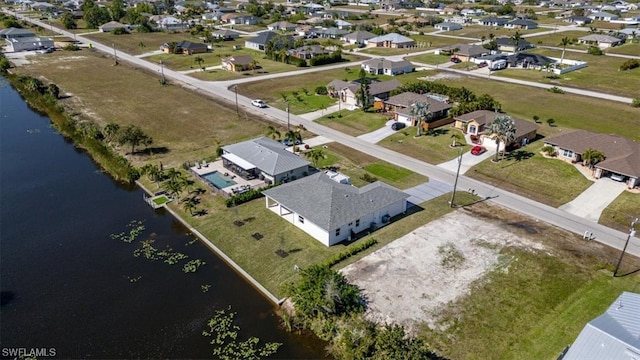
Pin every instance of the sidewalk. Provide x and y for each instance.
(322, 112)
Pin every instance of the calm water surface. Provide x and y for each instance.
(66, 284)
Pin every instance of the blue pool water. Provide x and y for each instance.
(218, 180)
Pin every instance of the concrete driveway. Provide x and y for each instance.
(375, 136)
(595, 199)
(427, 191)
(468, 161)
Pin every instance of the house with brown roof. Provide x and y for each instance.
(622, 155)
(238, 63)
(308, 51)
(400, 106)
(184, 47)
(346, 91)
(476, 123)
(465, 52)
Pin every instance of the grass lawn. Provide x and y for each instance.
(354, 123)
(433, 149)
(183, 127)
(568, 110)
(555, 39)
(259, 258)
(626, 49)
(432, 41)
(130, 43)
(478, 31)
(601, 74)
(549, 181)
(621, 211)
(431, 59)
(356, 164)
(535, 302)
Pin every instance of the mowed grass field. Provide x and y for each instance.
(555, 39)
(602, 74)
(131, 43)
(185, 123)
(433, 148)
(621, 212)
(535, 302)
(354, 122)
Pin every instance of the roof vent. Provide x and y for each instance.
(619, 305)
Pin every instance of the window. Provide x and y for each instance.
(351, 223)
(301, 219)
(567, 153)
(357, 222)
(338, 232)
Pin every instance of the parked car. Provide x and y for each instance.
(483, 64)
(455, 60)
(289, 142)
(477, 150)
(617, 177)
(258, 103)
(397, 126)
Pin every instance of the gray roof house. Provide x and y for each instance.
(264, 158)
(602, 41)
(346, 91)
(521, 24)
(12, 33)
(391, 40)
(602, 16)
(612, 335)
(332, 212)
(259, 42)
(381, 66)
(17, 44)
(225, 34)
(112, 25)
(358, 37)
(492, 21)
(448, 26)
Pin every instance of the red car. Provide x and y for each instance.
(477, 150)
(455, 60)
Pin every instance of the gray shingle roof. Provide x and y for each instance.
(360, 36)
(381, 63)
(392, 37)
(407, 99)
(15, 32)
(329, 204)
(267, 155)
(612, 335)
(600, 38)
(263, 37)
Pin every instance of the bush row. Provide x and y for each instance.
(334, 57)
(247, 196)
(349, 253)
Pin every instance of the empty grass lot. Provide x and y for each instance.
(355, 164)
(601, 74)
(555, 39)
(478, 31)
(433, 149)
(549, 181)
(354, 123)
(626, 49)
(130, 43)
(431, 59)
(568, 110)
(622, 211)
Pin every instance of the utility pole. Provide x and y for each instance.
(235, 88)
(455, 183)
(115, 53)
(632, 232)
(287, 116)
(162, 72)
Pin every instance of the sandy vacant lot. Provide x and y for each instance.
(412, 277)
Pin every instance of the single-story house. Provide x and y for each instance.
(225, 34)
(330, 33)
(507, 45)
(466, 52)
(264, 158)
(602, 16)
(281, 25)
(237, 63)
(529, 61)
(578, 20)
(401, 104)
(391, 40)
(308, 51)
(381, 66)
(602, 41)
(28, 43)
(472, 12)
(346, 91)
(358, 37)
(332, 212)
(14, 33)
(245, 20)
(448, 26)
(168, 22)
(622, 155)
(260, 41)
(492, 21)
(613, 335)
(184, 47)
(112, 25)
(475, 123)
(522, 24)
(343, 25)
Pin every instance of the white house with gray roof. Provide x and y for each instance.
(612, 335)
(264, 158)
(332, 212)
(382, 66)
(391, 40)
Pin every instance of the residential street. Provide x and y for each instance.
(515, 202)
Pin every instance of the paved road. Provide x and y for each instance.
(515, 202)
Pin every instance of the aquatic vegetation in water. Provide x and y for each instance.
(136, 228)
(192, 266)
(205, 287)
(133, 279)
(191, 242)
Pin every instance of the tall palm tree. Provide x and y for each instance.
(142, 45)
(504, 130)
(189, 205)
(515, 40)
(456, 137)
(273, 132)
(292, 136)
(591, 157)
(314, 155)
(564, 42)
(199, 60)
(420, 111)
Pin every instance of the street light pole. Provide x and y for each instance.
(162, 72)
(235, 88)
(287, 116)
(115, 53)
(455, 183)
(632, 232)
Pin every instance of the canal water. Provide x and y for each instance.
(66, 284)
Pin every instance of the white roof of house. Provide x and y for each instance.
(265, 154)
(393, 37)
(612, 335)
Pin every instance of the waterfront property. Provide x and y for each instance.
(222, 181)
(332, 212)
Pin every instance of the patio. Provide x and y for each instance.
(207, 168)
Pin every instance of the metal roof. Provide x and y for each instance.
(613, 335)
(267, 155)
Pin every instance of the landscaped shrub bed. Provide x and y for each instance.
(247, 196)
(347, 254)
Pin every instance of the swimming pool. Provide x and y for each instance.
(218, 180)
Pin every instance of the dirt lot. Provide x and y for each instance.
(408, 280)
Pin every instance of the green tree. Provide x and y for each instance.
(68, 22)
(455, 138)
(504, 130)
(515, 40)
(134, 136)
(53, 90)
(420, 112)
(117, 10)
(293, 136)
(314, 155)
(110, 131)
(363, 94)
(189, 205)
(199, 60)
(564, 42)
(273, 133)
(590, 157)
(174, 187)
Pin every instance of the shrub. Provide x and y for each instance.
(247, 196)
(346, 254)
(321, 90)
(549, 150)
(635, 103)
(630, 64)
(368, 178)
(71, 47)
(334, 57)
(594, 50)
(119, 31)
(556, 90)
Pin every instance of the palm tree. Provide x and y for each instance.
(591, 157)
(483, 39)
(564, 42)
(293, 136)
(189, 205)
(110, 131)
(314, 155)
(273, 132)
(142, 45)
(455, 138)
(199, 60)
(174, 188)
(504, 130)
(515, 39)
(420, 112)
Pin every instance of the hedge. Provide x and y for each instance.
(247, 196)
(349, 253)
